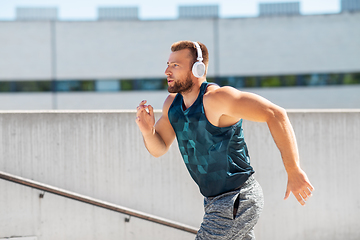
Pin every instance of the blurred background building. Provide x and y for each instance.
(297, 61)
(118, 59)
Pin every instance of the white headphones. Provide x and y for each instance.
(198, 68)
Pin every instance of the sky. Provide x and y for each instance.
(159, 9)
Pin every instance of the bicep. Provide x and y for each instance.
(163, 126)
(165, 130)
(251, 107)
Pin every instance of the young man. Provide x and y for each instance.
(206, 120)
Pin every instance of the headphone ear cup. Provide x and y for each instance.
(198, 69)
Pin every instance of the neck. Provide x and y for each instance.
(190, 96)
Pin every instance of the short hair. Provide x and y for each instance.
(177, 46)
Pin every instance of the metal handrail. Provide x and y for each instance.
(95, 202)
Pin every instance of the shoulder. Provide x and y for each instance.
(220, 104)
(168, 101)
(216, 94)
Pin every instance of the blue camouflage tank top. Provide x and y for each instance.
(216, 157)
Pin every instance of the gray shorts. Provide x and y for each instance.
(224, 220)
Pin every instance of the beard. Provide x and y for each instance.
(181, 86)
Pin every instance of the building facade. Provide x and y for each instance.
(116, 54)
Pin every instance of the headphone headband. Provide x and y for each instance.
(199, 52)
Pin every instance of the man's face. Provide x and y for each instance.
(178, 72)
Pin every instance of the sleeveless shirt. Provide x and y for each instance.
(216, 157)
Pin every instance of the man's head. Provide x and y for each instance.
(192, 51)
(179, 70)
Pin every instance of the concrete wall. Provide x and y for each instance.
(96, 154)
(330, 97)
(140, 49)
(101, 154)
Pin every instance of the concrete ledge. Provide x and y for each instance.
(101, 154)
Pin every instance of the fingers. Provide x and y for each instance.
(144, 114)
(300, 186)
(145, 109)
(141, 108)
(300, 199)
(308, 191)
(287, 193)
(151, 110)
(142, 102)
(310, 187)
(304, 197)
(141, 105)
(302, 194)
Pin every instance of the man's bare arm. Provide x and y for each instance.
(157, 137)
(237, 105)
(284, 137)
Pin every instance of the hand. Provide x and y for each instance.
(299, 185)
(145, 118)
